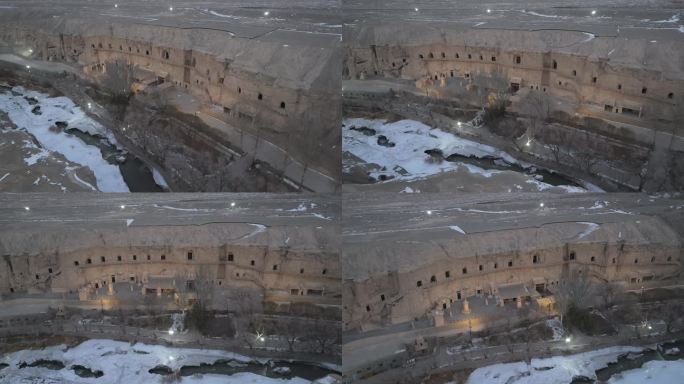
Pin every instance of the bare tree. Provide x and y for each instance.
(608, 291)
(324, 334)
(574, 289)
(118, 79)
(492, 91)
(671, 314)
(535, 105)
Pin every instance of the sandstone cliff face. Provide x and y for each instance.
(281, 86)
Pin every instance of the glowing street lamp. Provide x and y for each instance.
(416, 9)
(28, 67)
(459, 123)
(266, 13)
(90, 105)
(489, 10)
(171, 9)
(568, 339)
(593, 12)
(232, 204)
(541, 205)
(116, 5)
(27, 209)
(429, 212)
(123, 207)
(171, 332)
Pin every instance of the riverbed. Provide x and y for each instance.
(58, 125)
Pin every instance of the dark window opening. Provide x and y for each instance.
(382, 297)
(457, 56)
(480, 267)
(433, 279)
(149, 257)
(147, 52)
(367, 308)
(220, 80)
(163, 257)
(574, 73)
(594, 79)
(301, 270)
(76, 263)
(89, 261)
(629, 111)
(120, 48)
(118, 258)
(613, 261)
(231, 257)
(102, 259)
(608, 108)
(493, 58)
(496, 265)
(189, 255)
(252, 262)
(572, 255)
(619, 86)
(282, 105)
(670, 95)
(669, 258)
(481, 58)
(518, 59)
(470, 56)
(420, 56)
(451, 73)
(239, 90)
(49, 270)
(510, 263)
(555, 64)
(535, 259)
(643, 90)
(275, 267)
(652, 259)
(135, 257)
(443, 55)
(593, 259)
(37, 277)
(465, 271)
(447, 274)
(636, 261)
(419, 283)
(325, 271)
(166, 55)
(431, 55)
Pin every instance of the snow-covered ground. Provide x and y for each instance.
(561, 369)
(53, 109)
(124, 363)
(653, 372)
(407, 161)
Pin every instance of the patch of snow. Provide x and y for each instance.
(681, 28)
(321, 216)
(300, 208)
(552, 370)
(591, 227)
(590, 37)
(4, 176)
(259, 228)
(655, 372)
(599, 205)
(180, 209)
(457, 229)
(159, 179)
(543, 15)
(18, 109)
(85, 183)
(409, 190)
(480, 23)
(673, 19)
(122, 362)
(557, 328)
(129, 222)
